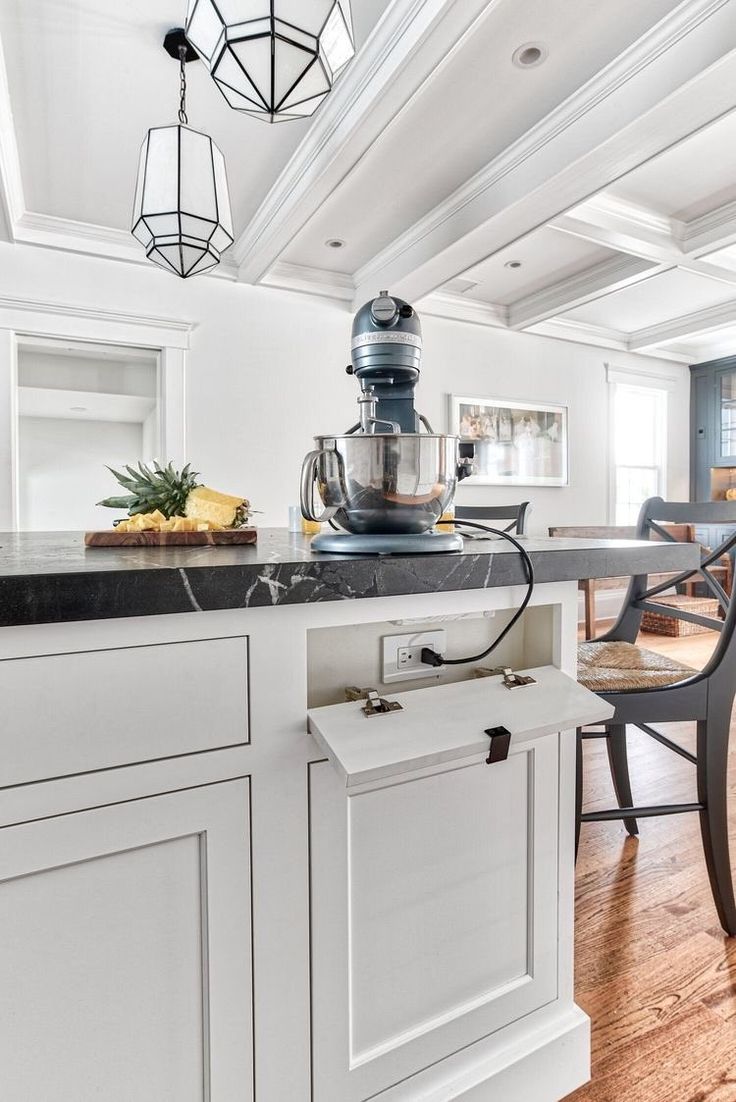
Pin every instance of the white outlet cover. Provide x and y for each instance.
(392, 644)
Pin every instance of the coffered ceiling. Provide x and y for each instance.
(590, 197)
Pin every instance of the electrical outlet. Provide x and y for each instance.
(402, 655)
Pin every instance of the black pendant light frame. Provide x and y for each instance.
(159, 243)
(263, 108)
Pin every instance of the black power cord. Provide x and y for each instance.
(430, 657)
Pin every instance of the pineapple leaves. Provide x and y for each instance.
(153, 487)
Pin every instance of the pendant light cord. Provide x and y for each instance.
(183, 86)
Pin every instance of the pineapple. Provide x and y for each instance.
(174, 493)
(209, 505)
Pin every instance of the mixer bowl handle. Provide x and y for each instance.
(309, 474)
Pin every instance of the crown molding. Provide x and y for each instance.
(565, 329)
(310, 281)
(700, 321)
(586, 286)
(645, 78)
(50, 232)
(710, 232)
(457, 307)
(400, 56)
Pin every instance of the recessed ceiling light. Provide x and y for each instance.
(512, 264)
(334, 243)
(529, 55)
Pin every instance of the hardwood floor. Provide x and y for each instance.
(653, 968)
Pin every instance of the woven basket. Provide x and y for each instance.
(661, 624)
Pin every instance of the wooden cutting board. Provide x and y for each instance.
(110, 537)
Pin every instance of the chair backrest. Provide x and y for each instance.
(665, 520)
(515, 514)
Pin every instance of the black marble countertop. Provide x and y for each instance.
(50, 577)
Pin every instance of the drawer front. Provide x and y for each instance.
(74, 713)
(434, 914)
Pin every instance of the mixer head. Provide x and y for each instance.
(386, 356)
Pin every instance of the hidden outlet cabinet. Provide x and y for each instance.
(221, 882)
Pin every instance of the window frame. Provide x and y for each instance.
(630, 381)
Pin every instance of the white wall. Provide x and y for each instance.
(62, 470)
(266, 372)
(472, 360)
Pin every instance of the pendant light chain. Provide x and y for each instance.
(183, 86)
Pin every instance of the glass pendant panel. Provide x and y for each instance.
(182, 206)
(265, 47)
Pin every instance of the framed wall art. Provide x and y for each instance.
(516, 443)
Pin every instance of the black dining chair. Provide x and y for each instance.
(647, 688)
(515, 515)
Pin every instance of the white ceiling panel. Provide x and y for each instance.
(86, 82)
(652, 301)
(546, 257)
(474, 108)
(690, 179)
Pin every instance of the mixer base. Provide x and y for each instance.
(346, 543)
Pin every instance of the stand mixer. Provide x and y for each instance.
(385, 482)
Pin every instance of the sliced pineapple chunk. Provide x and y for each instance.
(204, 504)
(157, 522)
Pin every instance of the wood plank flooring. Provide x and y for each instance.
(653, 968)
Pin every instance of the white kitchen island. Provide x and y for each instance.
(202, 902)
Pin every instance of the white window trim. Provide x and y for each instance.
(664, 382)
(22, 320)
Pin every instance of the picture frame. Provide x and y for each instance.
(518, 443)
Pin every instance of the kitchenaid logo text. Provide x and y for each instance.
(386, 338)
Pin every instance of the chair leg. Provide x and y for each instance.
(619, 764)
(712, 791)
(589, 591)
(578, 787)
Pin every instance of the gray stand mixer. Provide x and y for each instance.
(385, 482)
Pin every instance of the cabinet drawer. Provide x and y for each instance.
(74, 713)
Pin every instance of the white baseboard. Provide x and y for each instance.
(542, 1058)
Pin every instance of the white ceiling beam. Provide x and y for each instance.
(629, 228)
(602, 279)
(412, 42)
(688, 325)
(676, 79)
(623, 226)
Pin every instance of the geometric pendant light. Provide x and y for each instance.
(181, 211)
(273, 59)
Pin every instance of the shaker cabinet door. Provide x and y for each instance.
(434, 913)
(125, 970)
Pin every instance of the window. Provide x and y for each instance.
(639, 448)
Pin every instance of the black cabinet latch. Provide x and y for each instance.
(500, 741)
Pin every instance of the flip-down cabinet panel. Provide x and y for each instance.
(434, 875)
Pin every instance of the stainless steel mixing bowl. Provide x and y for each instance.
(383, 483)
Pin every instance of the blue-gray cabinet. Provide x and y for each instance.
(713, 428)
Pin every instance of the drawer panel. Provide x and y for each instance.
(73, 713)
